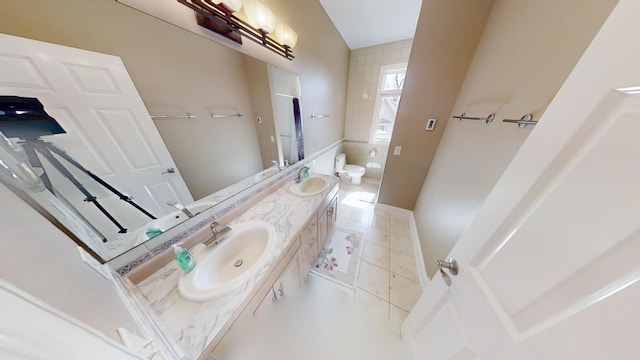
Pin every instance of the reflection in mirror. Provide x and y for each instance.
(134, 155)
(285, 93)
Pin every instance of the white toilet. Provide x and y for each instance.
(348, 171)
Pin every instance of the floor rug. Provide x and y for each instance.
(340, 258)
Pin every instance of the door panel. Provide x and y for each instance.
(109, 130)
(21, 72)
(92, 79)
(127, 137)
(549, 266)
(569, 214)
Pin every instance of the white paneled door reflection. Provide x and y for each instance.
(108, 131)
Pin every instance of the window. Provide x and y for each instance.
(391, 83)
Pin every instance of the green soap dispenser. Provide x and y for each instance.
(184, 258)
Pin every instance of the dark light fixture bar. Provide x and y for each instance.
(221, 20)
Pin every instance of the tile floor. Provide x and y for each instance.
(325, 320)
(318, 321)
(387, 281)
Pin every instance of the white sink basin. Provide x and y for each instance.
(236, 259)
(310, 186)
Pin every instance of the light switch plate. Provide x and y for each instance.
(397, 150)
(431, 124)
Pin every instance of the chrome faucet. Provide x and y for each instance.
(302, 173)
(277, 164)
(180, 207)
(218, 235)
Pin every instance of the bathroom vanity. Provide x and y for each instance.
(302, 224)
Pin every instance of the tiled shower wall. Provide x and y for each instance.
(364, 74)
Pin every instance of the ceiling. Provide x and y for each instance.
(365, 23)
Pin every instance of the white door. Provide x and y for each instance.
(549, 268)
(109, 130)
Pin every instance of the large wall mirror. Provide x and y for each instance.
(156, 167)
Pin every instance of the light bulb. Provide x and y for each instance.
(286, 35)
(260, 17)
(232, 5)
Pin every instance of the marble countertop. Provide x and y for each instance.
(195, 324)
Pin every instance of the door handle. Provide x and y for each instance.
(169, 171)
(450, 264)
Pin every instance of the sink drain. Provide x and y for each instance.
(238, 263)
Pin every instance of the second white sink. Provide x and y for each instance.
(310, 186)
(223, 267)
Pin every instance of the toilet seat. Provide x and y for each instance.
(349, 171)
(354, 169)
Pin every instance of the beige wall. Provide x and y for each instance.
(177, 72)
(446, 37)
(526, 52)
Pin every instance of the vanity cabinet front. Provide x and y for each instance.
(288, 281)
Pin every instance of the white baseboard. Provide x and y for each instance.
(422, 270)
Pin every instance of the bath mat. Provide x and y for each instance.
(339, 260)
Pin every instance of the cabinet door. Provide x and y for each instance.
(323, 228)
(288, 281)
(267, 301)
(332, 215)
(290, 278)
(309, 246)
(326, 220)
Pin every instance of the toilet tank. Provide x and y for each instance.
(341, 160)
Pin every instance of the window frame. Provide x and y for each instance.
(381, 93)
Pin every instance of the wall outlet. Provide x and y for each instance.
(431, 123)
(273, 139)
(397, 150)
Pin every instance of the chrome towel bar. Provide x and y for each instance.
(487, 119)
(220, 116)
(523, 122)
(160, 117)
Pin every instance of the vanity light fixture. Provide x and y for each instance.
(219, 17)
